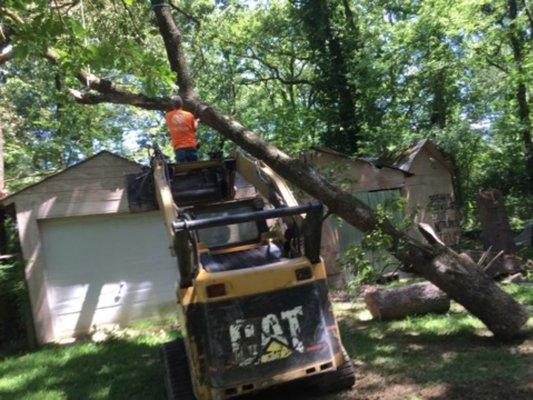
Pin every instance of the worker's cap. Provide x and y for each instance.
(177, 102)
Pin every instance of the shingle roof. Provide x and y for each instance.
(103, 152)
(404, 158)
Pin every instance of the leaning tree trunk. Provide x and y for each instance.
(400, 302)
(461, 280)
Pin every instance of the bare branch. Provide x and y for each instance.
(275, 78)
(12, 15)
(132, 99)
(496, 65)
(172, 38)
(3, 36)
(68, 6)
(137, 29)
(6, 53)
(186, 14)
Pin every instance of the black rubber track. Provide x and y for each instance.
(341, 379)
(178, 379)
(177, 375)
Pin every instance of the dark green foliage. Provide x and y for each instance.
(364, 77)
(330, 50)
(13, 304)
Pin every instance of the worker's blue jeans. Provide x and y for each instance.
(186, 154)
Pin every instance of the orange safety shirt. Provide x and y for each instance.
(182, 127)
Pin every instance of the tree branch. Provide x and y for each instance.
(68, 6)
(12, 15)
(275, 78)
(132, 99)
(176, 56)
(186, 14)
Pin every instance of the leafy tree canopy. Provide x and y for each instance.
(364, 77)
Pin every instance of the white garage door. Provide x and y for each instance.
(107, 270)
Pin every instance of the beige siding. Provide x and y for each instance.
(90, 188)
(430, 194)
(107, 270)
(358, 175)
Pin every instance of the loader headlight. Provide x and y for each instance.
(216, 290)
(303, 274)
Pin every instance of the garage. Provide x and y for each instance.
(90, 263)
(107, 270)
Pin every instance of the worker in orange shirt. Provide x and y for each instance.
(182, 128)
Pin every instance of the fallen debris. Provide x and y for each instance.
(495, 229)
(516, 278)
(415, 299)
(504, 266)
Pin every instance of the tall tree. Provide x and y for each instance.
(344, 122)
(461, 279)
(520, 36)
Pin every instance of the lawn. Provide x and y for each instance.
(431, 357)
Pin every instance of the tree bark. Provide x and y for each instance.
(317, 19)
(416, 299)
(439, 105)
(495, 228)
(517, 45)
(461, 280)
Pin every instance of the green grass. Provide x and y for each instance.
(124, 367)
(453, 350)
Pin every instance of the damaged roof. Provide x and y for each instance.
(368, 160)
(403, 159)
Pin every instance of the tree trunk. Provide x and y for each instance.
(2, 170)
(416, 299)
(461, 280)
(317, 15)
(495, 228)
(439, 103)
(517, 41)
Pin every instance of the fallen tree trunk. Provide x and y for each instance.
(460, 279)
(415, 299)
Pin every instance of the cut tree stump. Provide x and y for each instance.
(415, 299)
(495, 228)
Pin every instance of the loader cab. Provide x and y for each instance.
(252, 297)
(236, 246)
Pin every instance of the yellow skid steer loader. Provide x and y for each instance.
(252, 294)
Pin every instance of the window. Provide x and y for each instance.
(226, 235)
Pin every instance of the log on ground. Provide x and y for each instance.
(415, 299)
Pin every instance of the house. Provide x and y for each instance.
(420, 174)
(374, 185)
(90, 263)
(428, 187)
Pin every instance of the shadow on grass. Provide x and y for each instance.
(465, 364)
(115, 369)
(444, 351)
